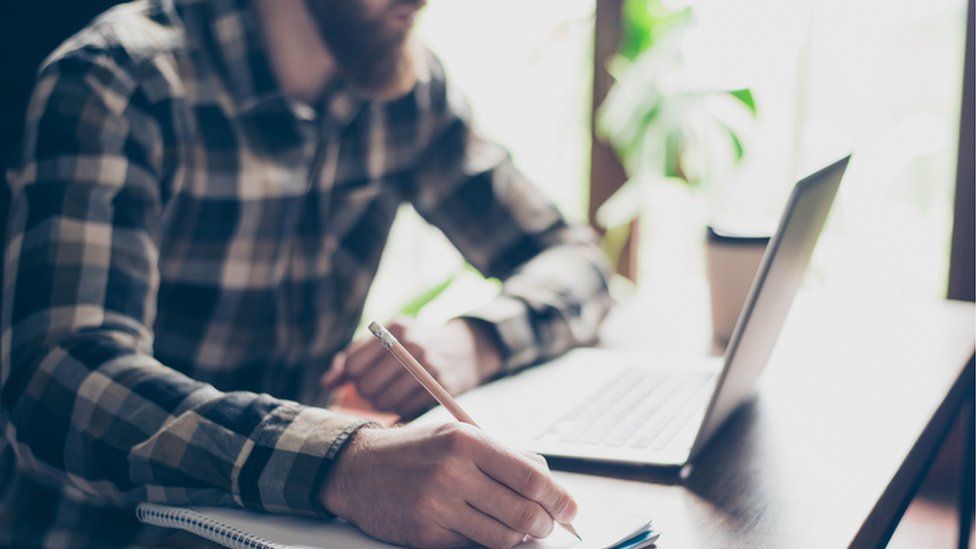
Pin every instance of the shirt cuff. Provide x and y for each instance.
(291, 454)
(508, 321)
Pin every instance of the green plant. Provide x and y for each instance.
(661, 122)
(413, 306)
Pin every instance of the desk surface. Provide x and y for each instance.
(856, 399)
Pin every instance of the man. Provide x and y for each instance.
(203, 196)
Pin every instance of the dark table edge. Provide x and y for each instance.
(890, 507)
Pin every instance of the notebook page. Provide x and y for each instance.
(604, 528)
(600, 527)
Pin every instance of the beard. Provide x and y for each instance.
(375, 57)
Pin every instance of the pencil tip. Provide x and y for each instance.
(569, 528)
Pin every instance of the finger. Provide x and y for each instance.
(399, 327)
(363, 356)
(398, 391)
(482, 529)
(419, 401)
(524, 477)
(357, 345)
(336, 374)
(360, 360)
(375, 381)
(501, 503)
(536, 458)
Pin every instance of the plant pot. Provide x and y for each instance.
(731, 261)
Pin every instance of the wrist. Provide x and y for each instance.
(486, 348)
(336, 490)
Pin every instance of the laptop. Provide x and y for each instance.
(618, 407)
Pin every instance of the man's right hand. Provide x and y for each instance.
(443, 486)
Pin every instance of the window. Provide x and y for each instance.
(881, 79)
(885, 79)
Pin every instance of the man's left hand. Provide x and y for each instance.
(459, 354)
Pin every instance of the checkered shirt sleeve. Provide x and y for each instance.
(554, 274)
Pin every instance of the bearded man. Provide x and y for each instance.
(204, 191)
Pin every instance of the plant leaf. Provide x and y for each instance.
(645, 22)
(738, 148)
(615, 241)
(672, 150)
(621, 207)
(744, 96)
(740, 152)
(413, 307)
(636, 29)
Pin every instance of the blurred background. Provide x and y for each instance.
(879, 78)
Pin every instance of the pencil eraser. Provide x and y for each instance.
(382, 334)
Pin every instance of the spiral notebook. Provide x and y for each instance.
(242, 529)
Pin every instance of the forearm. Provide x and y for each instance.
(553, 302)
(555, 276)
(119, 426)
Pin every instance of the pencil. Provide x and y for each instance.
(435, 389)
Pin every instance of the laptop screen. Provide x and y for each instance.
(777, 280)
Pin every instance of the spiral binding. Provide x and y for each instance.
(201, 525)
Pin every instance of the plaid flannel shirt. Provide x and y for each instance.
(185, 242)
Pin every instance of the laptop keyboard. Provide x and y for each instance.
(640, 408)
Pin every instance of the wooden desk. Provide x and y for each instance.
(856, 400)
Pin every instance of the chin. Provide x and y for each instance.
(407, 71)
